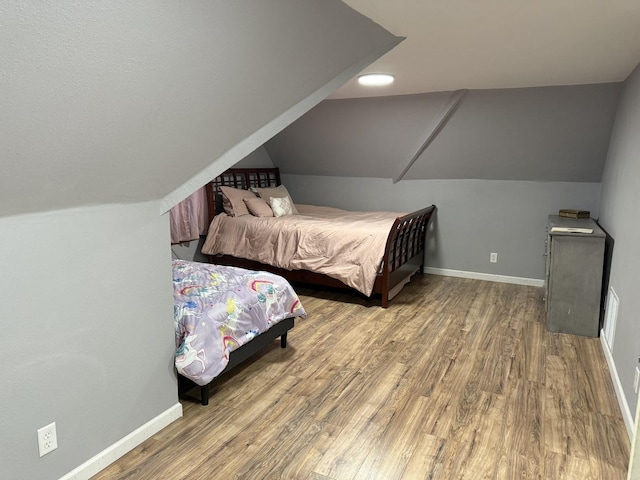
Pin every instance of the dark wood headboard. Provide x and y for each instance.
(243, 178)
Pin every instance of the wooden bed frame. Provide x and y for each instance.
(239, 355)
(404, 251)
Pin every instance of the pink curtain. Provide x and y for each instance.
(188, 219)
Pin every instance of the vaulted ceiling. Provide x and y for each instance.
(535, 134)
(119, 102)
(537, 83)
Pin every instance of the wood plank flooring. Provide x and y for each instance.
(458, 379)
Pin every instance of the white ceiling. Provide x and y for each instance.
(455, 44)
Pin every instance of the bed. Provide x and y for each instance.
(223, 315)
(392, 245)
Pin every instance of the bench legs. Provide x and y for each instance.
(204, 395)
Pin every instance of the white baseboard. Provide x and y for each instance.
(617, 385)
(114, 452)
(532, 282)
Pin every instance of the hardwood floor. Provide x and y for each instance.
(458, 379)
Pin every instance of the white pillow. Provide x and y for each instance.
(281, 206)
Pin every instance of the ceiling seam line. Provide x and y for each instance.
(434, 129)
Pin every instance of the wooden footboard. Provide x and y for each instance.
(404, 251)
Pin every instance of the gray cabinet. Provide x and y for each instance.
(573, 279)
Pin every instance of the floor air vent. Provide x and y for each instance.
(610, 318)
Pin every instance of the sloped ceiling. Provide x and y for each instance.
(458, 44)
(543, 80)
(538, 134)
(116, 102)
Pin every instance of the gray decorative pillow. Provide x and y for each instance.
(281, 206)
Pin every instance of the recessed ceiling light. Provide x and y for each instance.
(375, 79)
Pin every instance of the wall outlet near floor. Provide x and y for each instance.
(635, 380)
(493, 257)
(47, 439)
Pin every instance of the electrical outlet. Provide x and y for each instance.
(47, 439)
(493, 258)
(635, 380)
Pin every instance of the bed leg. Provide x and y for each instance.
(421, 270)
(385, 300)
(204, 395)
(283, 340)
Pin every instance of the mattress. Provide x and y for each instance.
(219, 308)
(341, 244)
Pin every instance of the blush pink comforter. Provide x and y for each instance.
(344, 245)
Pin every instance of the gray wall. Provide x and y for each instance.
(619, 216)
(256, 159)
(110, 103)
(505, 160)
(474, 217)
(542, 134)
(162, 90)
(87, 332)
